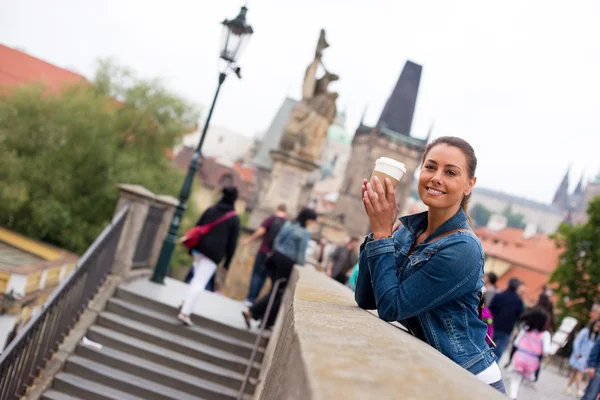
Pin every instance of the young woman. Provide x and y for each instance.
(288, 250)
(428, 273)
(581, 351)
(216, 245)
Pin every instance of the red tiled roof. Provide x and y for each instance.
(211, 173)
(17, 68)
(538, 252)
(245, 172)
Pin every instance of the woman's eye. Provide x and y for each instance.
(429, 167)
(451, 173)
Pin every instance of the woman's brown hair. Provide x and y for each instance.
(469, 153)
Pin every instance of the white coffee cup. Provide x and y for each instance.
(388, 168)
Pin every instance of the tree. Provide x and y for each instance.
(61, 154)
(578, 273)
(514, 220)
(480, 215)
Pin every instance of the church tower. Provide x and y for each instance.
(389, 138)
(561, 197)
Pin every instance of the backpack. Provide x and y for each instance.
(273, 230)
(193, 236)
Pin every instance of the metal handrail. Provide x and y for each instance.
(259, 336)
(24, 358)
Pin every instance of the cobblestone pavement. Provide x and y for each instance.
(549, 387)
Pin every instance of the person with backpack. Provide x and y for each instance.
(289, 249)
(268, 230)
(213, 239)
(532, 343)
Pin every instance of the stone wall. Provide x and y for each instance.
(324, 347)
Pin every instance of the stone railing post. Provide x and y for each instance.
(138, 198)
(169, 203)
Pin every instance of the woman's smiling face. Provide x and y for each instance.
(444, 179)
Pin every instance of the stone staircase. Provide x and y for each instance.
(147, 354)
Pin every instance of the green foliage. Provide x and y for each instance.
(61, 154)
(480, 215)
(514, 220)
(578, 274)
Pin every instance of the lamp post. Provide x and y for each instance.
(236, 33)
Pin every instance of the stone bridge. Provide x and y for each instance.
(110, 333)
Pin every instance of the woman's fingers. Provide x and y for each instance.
(378, 188)
(373, 197)
(367, 203)
(390, 195)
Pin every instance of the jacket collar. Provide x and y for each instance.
(417, 223)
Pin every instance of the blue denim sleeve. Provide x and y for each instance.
(450, 273)
(363, 293)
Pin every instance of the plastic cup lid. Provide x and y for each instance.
(391, 162)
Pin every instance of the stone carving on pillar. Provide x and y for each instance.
(307, 128)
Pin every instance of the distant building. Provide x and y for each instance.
(531, 257)
(391, 137)
(262, 160)
(546, 217)
(221, 143)
(215, 175)
(326, 182)
(19, 68)
(29, 272)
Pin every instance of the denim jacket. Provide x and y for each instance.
(433, 291)
(292, 241)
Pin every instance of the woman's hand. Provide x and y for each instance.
(381, 208)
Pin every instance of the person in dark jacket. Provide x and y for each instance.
(593, 364)
(216, 245)
(506, 308)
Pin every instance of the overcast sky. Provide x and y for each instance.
(517, 79)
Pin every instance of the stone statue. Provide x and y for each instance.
(311, 117)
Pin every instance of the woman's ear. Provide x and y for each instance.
(470, 185)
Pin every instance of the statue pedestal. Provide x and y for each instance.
(288, 178)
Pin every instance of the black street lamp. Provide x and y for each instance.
(236, 33)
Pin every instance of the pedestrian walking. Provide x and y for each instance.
(289, 249)
(582, 346)
(489, 288)
(342, 260)
(506, 308)
(212, 247)
(428, 274)
(593, 364)
(268, 230)
(532, 343)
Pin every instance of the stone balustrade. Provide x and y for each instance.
(324, 347)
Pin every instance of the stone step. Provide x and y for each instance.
(54, 395)
(185, 363)
(88, 390)
(199, 320)
(173, 342)
(227, 383)
(128, 383)
(170, 323)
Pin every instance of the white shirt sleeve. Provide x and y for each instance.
(518, 338)
(546, 343)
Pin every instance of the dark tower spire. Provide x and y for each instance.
(399, 109)
(561, 197)
(579, 189)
